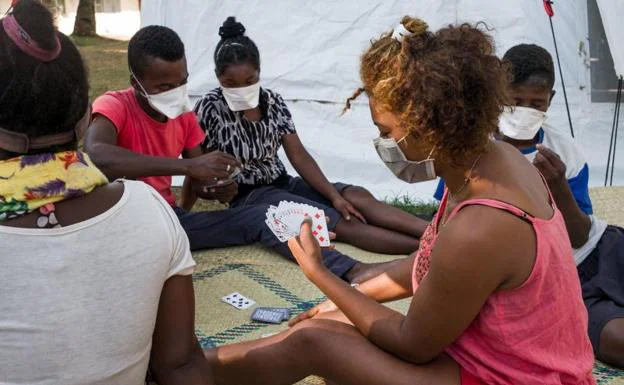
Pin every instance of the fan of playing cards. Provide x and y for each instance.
(285, 221)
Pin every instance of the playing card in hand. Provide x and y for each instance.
(285, 221)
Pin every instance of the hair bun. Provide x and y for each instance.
(416, 26)
(231, 28)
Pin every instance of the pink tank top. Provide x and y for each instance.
(534, 334)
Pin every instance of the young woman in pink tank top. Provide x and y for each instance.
(495, 294)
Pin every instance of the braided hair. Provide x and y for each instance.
(235, 47)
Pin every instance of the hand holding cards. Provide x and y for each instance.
(285, 221)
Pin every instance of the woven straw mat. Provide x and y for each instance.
(271, 281)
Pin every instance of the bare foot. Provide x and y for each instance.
(362, 272)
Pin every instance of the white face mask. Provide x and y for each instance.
(172, 103)
(521, 123)
(407, 170)
(242, 98)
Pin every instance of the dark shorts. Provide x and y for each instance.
(602, 281)
(293, 189)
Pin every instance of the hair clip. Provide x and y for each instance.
(400, 32)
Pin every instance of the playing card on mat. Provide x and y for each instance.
(238, 300)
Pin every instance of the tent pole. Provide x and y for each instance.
(614, 129)
(565, 94)
(617, 129)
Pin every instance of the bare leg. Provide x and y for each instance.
(375, 239)
(362, 272)
(612, 343)
(329, 349)
(383, 215)
(335, 315)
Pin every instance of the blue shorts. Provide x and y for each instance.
(294, 189)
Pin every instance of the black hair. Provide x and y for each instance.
(530, 60)
(150, 42)
(235, 47)
(38, 98)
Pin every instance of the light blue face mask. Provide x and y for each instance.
(407, 170)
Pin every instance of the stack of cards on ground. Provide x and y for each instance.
(273, 315)
(285, 221)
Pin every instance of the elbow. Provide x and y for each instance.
(296, 161)
(402, 342)
(101, 157)
(417, 351)
(579, 240)
(417, 356)
(580, 236)
(183, 370)
(96, 152)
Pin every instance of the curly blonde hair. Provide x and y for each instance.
(449, 82)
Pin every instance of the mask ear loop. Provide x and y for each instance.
(404, 139)
(431, 153)
(145, 94)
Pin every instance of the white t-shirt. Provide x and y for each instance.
(577, 174)
(78, 304)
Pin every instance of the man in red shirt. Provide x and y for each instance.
(141, 132)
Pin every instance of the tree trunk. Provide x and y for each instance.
(85, 18)
(52, 6)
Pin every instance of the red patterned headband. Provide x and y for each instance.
(26, 44)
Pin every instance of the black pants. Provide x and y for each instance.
(243, 226)
(602, 281)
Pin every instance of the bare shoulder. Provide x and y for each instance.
(487, 240)
(98, 201)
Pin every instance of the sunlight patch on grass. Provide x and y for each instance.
(107, 63)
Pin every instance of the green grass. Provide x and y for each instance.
(414, 206)
(107, 63)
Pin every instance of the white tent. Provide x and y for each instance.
(612, 12)
(310, 53)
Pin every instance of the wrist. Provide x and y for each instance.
(184, 167)
(335, 197)
(316, 272)
(560, 189)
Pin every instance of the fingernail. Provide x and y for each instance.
(307, 220)
(219, 183)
